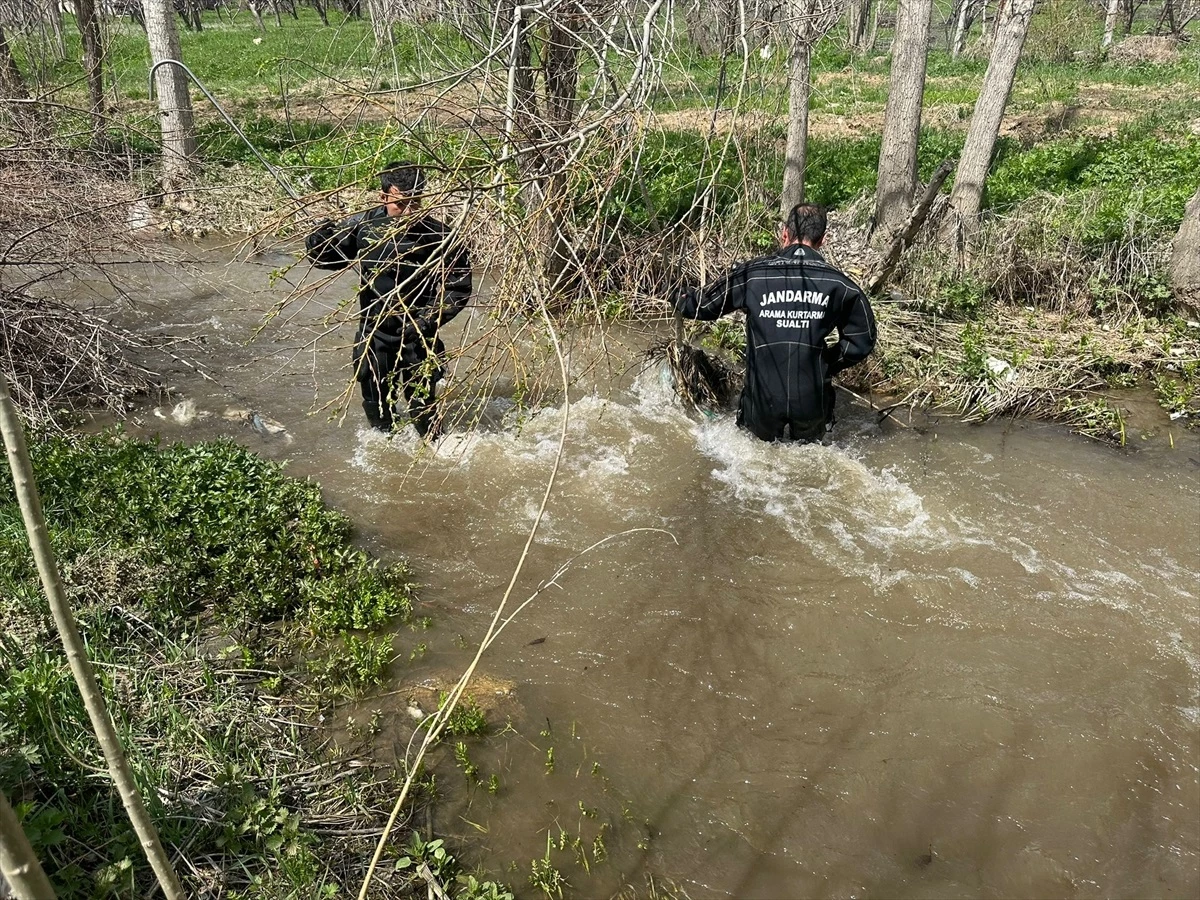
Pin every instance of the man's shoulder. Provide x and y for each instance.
(829, 270)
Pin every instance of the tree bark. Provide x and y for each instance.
(380, 23)
(26, 491)
(962, 27)
(858, 24)
(18, 864)
(902, 118)
(54, 16)
(905, 235)
(1110, 22)
(12, 82)
(174, 103)
(93, 60)
(796, 154)
(873, 35)
(1185, 258)
(966, 199)
(256, 12)
(808, 22)
(561, 74)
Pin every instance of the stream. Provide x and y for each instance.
(929, 661)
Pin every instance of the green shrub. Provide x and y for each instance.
(1155, 175)
(230, 531)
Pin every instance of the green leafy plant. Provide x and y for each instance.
(462, 757)
(545, 876)
(466, 719)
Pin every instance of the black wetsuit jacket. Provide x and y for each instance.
(415, 277)
(793, 299)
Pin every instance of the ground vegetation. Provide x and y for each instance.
(225, 611)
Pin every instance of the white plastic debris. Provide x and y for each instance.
(1000, 368)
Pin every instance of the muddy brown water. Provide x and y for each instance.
(939, 662)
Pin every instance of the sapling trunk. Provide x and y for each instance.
(64, 619)
(18, 864)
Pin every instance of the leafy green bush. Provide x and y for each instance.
(1142, 169)
(228, 529)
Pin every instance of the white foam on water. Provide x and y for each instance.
(849, 515)
(610, 464)
(654, 392)
(968, 577)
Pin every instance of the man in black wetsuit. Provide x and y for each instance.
(793, 299)
(415, 277)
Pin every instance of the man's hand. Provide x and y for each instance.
(833, 357)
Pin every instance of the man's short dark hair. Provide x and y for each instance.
(807, 222)
(406, 177)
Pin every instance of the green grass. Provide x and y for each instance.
(227, 59)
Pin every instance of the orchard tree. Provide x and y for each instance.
(897, 184)
(966, 200)
(807, 22)
(174, 102)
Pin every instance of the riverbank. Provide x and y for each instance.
(230, 618)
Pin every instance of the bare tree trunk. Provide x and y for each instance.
(962, 27)
(904, 235)
(561, 74)
(256, 11)
(796, 154)
(54, 16)
(1185, 258)
(25, 489)
(858, 23)
(18, 864)
(966, 199)
(93, 60)
(1110, 22)
(12, 82)
(902, 119)
(380, 23)
(174, 103)
(808, 21)
(319, 6)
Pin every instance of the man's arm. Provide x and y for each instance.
(856, 331)
(455, 288)
(334, 245)
(723, 296)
